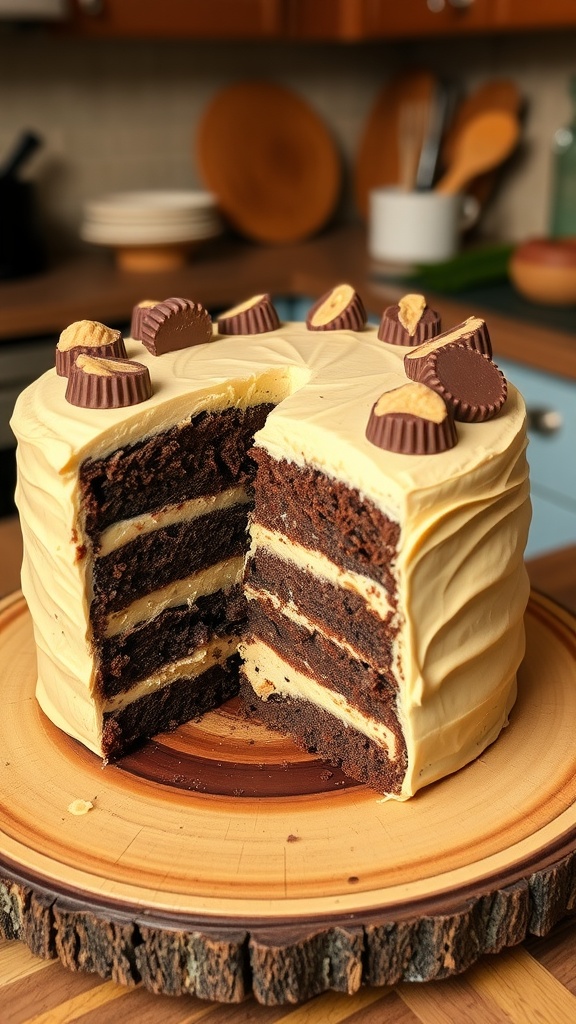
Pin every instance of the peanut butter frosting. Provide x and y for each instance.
(464, 513)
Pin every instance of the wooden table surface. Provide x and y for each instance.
(534, 983)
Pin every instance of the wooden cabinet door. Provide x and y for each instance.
(342, 20)
(208, 19)
(526, 14)
(406, 18)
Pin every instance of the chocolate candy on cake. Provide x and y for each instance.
(468, 381)
(340, 309)
(97, 383)
(175, 324)
(411, 420)
(88, 336)
(255, 316)
(473, 333)
(410, 322)
(138, 313)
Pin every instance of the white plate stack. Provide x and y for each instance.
(149, 228)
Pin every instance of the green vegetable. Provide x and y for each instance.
(475, 267)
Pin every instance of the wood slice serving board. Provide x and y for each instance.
(219, 859)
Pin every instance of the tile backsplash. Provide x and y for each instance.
(122, 114)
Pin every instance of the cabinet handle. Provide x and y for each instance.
(544, 421)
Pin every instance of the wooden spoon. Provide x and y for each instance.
(486, 141)
(493, 94)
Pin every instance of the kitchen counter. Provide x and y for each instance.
(226, 271)
(533, 981)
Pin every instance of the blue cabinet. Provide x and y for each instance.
(551, 404)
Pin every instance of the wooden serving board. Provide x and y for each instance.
(220, 859)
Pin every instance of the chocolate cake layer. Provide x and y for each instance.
(343, 611)
(325, 515)
(318, 731)
(203, 456)
(156, 559)
(372, 692)
(175, 633)
(167, 708)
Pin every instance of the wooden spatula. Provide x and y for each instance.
(484, 143)
(493, 94)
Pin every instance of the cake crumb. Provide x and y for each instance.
(293, 839)
(79, 807)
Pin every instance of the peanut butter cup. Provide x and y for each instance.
(411, 420)
(255, 316)
(97, 383)
(90, 337)
(410, 322)
(473, 333)
(138, 312)
(340, 309)
(174, 324)
(468, 381)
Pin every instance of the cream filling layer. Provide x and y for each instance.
(214, 653)
(268, 673)
(127, 530)
(290, 611)
(221, 576)
(372, 593)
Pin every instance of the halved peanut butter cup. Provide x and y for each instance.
(90, 337)
(410, 322)
(340, 309)
(174, 324)
(97, 383)
(255, 316)
(411, 420)
(473, 333)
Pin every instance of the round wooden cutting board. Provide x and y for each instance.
(270, 161)
(220, 859)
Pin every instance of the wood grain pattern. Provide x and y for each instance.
(218, 891)
(270, 160)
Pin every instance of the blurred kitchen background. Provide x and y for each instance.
(115, 93)
(120, 112)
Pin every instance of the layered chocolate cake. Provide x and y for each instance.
(286, 509)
